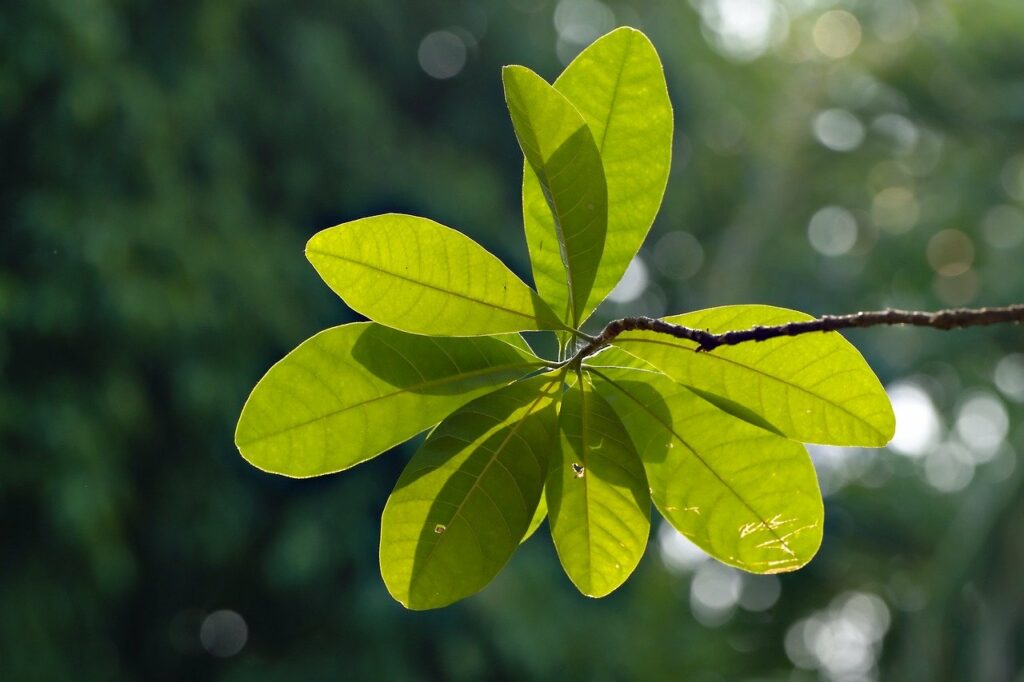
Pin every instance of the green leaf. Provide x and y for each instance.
(566, 165)
(418, 276)
(351, 392)
(467, 497)
(747, 497)
(598, 502)
(814, 388)
(618, 86)
(538, 519)
(610, 356)
(516, 341)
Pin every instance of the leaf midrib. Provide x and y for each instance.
(562, 246)
(780, 380)
(587, 475)
(704, 462)
(496, 454)
(604, 137)
(426, 285)
(544, 180)
(410, 389)
(615, 91)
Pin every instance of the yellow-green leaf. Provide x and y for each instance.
(618, 85)
(746, 496)
(814, 388)
(610, 356)
(563, 159)
(418, 276)
(467, 497)
(351, 392)
(538, 519)
(599, 505)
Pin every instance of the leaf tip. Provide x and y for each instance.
(622, 30)
(313, 247)
(517, 76)
(509, 71)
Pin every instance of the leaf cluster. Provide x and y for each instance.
(587, 443)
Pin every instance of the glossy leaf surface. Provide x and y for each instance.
(747, 497)
(419, 276)
(814, 388)
(467, 497)
(564, 160)
(351, 392)
(598, 501)
(618, 85)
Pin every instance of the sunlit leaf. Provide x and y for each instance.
(565, 163)
(351, 392)
(815, 388)
(416, 275)
(709, 437)
(610, 356)
(746, 496)
(467, 497)
(618, 85)
(598, 501)
(538, 518)
(516, 341)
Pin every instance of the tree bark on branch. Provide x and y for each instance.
(706, 341)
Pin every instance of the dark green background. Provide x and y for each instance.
(163, 166)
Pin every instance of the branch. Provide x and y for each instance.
(706, 341)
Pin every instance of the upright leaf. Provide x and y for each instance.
(467, 497)
(598, 502)
(618, 85)
(814, 388)
(747, 497)
(351, 392)
(416, 275)
(560, 149)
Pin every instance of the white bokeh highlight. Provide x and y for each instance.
(838, 130)
(1009, 376)
(918, 425)
(223, 633)
(442, 54)
(832, 231)
(843, 641)
(743, 30)
(632, 284)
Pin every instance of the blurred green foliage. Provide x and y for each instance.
(165, 163)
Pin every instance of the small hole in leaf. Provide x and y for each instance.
(440, 528)
(577, 470)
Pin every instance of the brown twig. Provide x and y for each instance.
(707, 341)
